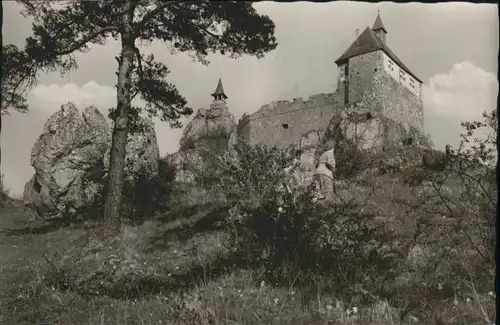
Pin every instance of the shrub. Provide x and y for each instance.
(144, 196)
(147, 195)
(282, 229)
(252, 175)
(453, 210)
(4, 194)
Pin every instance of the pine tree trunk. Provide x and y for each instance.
(1, 178)
(120, 130)
(1, 111)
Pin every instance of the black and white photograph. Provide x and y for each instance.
(248, 163)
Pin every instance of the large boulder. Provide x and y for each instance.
(307, 165)
(69, 150)
(186, 164)
(212, 131)
(71, 160)
(212, 128)
(142, 150)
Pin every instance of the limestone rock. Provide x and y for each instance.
(371, 131)
(308, 146)
(142, 151)
(211, 132)
(310, 139)
(71, 159)
(212, 124)
(70, 147)
(186, 163)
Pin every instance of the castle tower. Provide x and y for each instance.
(219, 94)
(379, 29)
(370, 74)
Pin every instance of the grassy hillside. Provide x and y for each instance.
(407, 239)
(187, 266)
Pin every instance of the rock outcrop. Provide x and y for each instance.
(70, 159)
(308, 145)
(368, 142)
(142, 151)
(71, 147)
(211, 131)
(371, 131)
(210, 128)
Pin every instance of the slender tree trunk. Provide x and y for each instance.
(120, 130)
(1, 178)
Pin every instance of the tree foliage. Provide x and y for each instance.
(63, 29)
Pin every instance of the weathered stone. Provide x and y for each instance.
(284, 124)
(142, 151)
(71, 158)
(70, 147)
(186, 164)
(214, 123)
(211, 132)
(365, 80)
(304, 174)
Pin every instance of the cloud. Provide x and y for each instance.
(462, 94)
(20, 131)
(50, 98)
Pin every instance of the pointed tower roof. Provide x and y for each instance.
(367, 42)
(219, 91)
(378, 24)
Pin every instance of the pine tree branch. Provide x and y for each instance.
(140, 25)
(203, 29)
(73, 48)
(85, 40)
(159, 9)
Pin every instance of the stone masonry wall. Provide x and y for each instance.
(362, 70)
(387, 96)
(399, 104)
(283, 123)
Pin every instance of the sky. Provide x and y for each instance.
(452, 47)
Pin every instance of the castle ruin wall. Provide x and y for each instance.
(392, 99)
(283, 123)
(393, 96)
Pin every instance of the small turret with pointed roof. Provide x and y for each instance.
(219, 94)
(379, 28)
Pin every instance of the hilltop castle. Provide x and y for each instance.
(377, 96)
(370, 76)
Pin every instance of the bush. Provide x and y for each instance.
(252, 175)
(285, 231)
(144, 196)
(4, 194)
(453, 208)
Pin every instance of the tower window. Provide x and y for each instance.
(390, 64)
(402, 76)
(285, 126)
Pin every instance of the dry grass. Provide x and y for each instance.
(179, 269)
